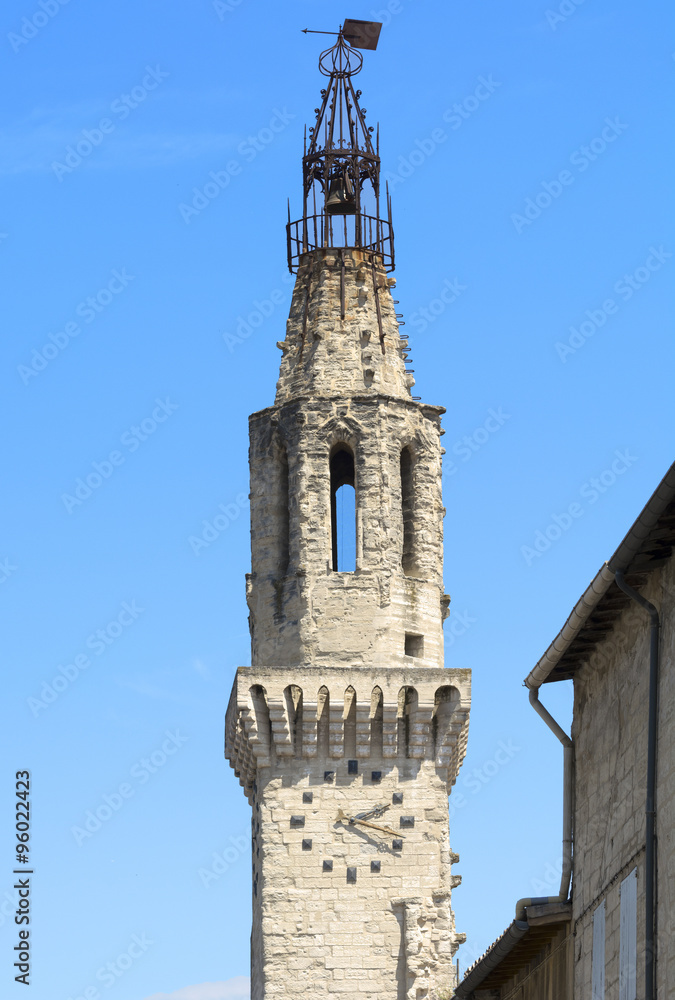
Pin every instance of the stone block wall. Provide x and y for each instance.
(301, 611)
(341, 908)
(342, 335)
(610, 735)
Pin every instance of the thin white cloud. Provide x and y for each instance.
(33, 146)
(202, 669)
(232, 989)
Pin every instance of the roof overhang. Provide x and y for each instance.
(648, 545)
(516, 947)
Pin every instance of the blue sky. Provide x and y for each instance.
(529, 156)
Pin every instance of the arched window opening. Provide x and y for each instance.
(262, 717)
(350, 722)
(407, 705)
(343, 509)
(283, 514)
(376, 722)
(293, 695)
(445, 702)
(407, 512)
(322, 721)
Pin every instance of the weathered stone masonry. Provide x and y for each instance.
(333, 679)
(346, 732)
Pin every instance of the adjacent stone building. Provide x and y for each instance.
(346, 732)
(613, 934)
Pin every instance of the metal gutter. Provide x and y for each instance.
(492, 958)
(568, 633)
(539, 916)
(621, 561)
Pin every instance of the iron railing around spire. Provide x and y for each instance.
(362, 232)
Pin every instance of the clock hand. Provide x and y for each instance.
(351, 820)
(377, 811)
(374, 826)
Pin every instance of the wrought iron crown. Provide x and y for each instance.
(341, 166)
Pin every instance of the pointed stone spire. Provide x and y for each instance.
(342, 336)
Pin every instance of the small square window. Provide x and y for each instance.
(397, 844)
(307, 845)
(308, 797)
(376, 776)
(375, 866)
(351, 874)
(414, 644)
(328, 865)
(407, 821)
(352, 767)
(328, 775)
(397, 798)
(297, 821)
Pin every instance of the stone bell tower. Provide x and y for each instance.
(346, 732)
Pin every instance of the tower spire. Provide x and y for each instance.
(340, 165)
(346, 731)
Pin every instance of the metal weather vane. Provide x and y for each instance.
(341, 164)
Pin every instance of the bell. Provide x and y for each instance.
(341, 199)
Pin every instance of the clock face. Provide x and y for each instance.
(371, 826)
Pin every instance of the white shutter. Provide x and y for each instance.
(628, 938)
(598, 984)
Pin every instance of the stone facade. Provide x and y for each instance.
(347, 709)
(605, 648)
(610, 736)
(341, 386)
(351, 909)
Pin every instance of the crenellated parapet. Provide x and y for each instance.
(386, 717)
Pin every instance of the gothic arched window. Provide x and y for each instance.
(408, 512)
(343, 509)
(283, 514)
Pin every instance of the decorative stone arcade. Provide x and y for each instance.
(346, 732)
